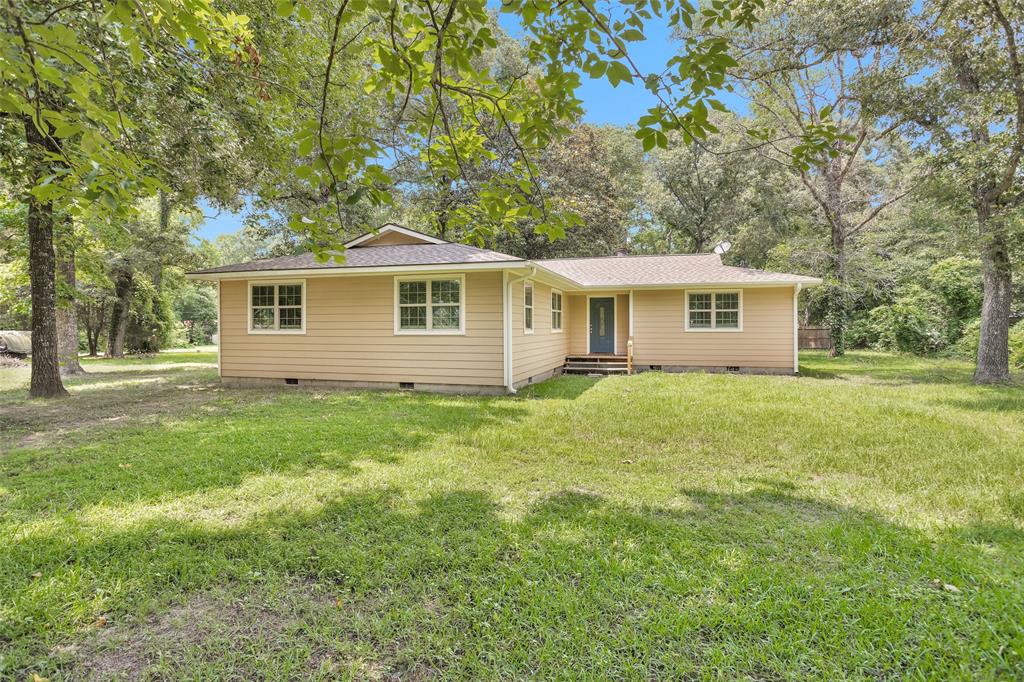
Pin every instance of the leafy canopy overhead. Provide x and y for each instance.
(66, 71)
(421, 64)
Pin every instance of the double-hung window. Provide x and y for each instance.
(528, 307)
(277, 307)
(556, 311)
(429, 306)
(714, 311)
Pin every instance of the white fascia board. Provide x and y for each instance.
(348, 272)
(701, 284)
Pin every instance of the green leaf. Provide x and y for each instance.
(618, 73)
(285, 8)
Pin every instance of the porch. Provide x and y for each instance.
(598, 326)
(597, 364)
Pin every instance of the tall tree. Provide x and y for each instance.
(697, 196)
(965, 93)
(65, 88)
(809, 72)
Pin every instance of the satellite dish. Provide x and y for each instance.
(722, 246)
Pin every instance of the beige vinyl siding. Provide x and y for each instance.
(350, 336)
(577, 326)
(543, 350)
(766, 339)
(621, 323)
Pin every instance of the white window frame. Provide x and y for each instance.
(714, 306)
(560, 311)
(532, 307)
(277, 305)
(461, 331)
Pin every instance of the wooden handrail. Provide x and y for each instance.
(629, 357)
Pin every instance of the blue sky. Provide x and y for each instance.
(603, 103)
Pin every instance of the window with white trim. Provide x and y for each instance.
(276, 307)
(429, 305)
(528, 307)
(710, 310)
(556, 310)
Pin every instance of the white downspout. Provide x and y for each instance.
(796, 329)
(507, 331)
(220, 333)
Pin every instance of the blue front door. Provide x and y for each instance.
(602, 325)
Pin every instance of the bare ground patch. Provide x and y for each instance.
(107, 400)
(298, 631)
(210, 627)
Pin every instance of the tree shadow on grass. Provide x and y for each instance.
(565, 387)
(762, 584)
(990, 399)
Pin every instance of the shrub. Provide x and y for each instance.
(957, 280)
(861, 333)
(967, 346)
(151, 326)
(914, 323)
(1017, 345)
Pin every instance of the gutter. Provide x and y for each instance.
(507, 329)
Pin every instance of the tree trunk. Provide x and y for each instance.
(837, 300)
(119, 314)
(67, 317)
(994, 342)
(93, 316)
(45, 382)
(93, 339)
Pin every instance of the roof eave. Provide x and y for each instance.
(811, 282)
(352, 270)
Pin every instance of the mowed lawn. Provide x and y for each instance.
(865, 520)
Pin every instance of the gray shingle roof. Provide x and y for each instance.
(703, 268)
(614, 271)
(373, 256)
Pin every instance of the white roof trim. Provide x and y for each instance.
(360, 270)
(391, 227)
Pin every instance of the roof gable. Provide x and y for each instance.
(392, 235)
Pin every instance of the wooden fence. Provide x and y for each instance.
(814, 338)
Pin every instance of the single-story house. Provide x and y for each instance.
(408, 310)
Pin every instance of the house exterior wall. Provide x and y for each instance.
(577, 329)
(766, 341)
(350, 337)
(543, 351)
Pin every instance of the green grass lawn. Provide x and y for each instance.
(865, 520)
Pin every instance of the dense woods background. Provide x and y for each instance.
(876, 145)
